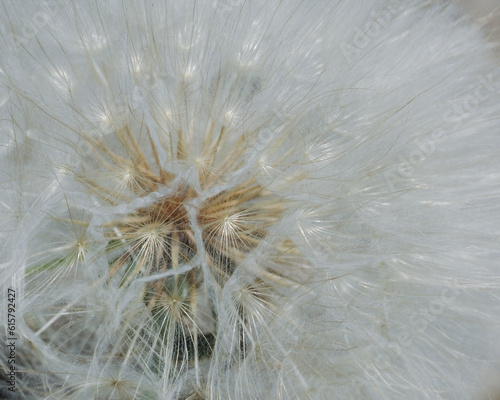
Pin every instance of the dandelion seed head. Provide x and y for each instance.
(244, 200)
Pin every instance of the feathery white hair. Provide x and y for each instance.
(248, 199)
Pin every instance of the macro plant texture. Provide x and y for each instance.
(248, 199)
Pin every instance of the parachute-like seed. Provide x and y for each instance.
(239, 200)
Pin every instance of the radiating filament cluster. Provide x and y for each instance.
(160, 238)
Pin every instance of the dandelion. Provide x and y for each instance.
(242, 200)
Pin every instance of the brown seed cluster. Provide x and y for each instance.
(160, 237)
